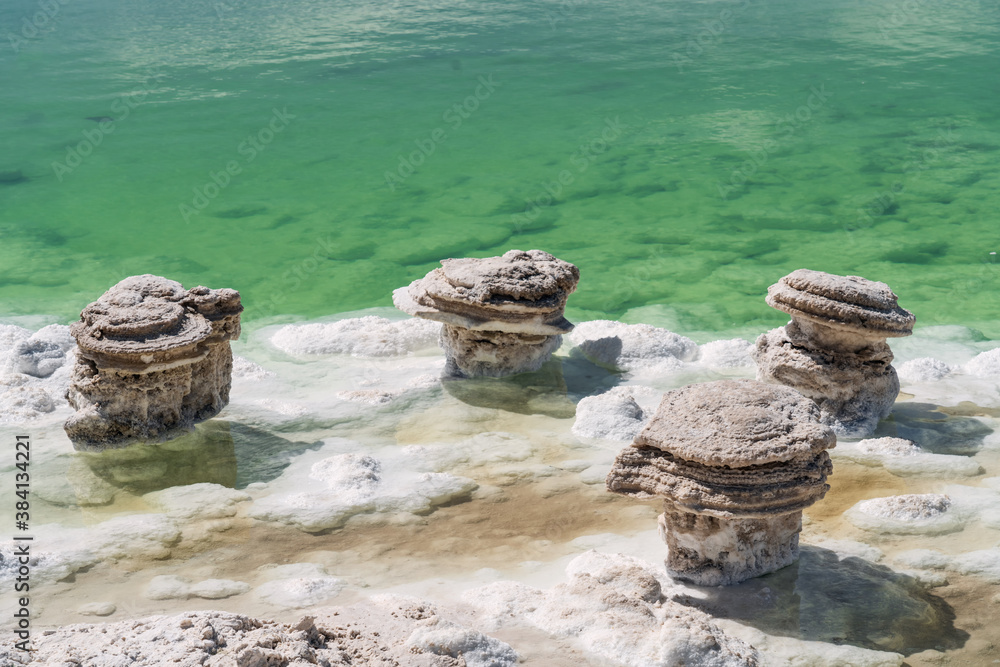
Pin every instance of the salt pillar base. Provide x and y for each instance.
(710, 551)
(473, 353)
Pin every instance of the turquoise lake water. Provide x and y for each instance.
(317, 155)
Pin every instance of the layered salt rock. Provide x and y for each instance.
(393, 631)
(736, 462)
(834, 349)
(614, 606)
(153, 359)
(633, 347)
(910, 514)
(501, 315)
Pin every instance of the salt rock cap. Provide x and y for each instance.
(520, 292)
(848, 303)
(737, 423)
(750, 492)
(148, 319)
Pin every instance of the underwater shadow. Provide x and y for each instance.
(230, 454)
(936, 431)
(841, 601)
(553, 390)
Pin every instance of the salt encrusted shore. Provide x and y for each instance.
(387, 633)
(612, 606)
(426, 449)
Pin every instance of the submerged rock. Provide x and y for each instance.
(154, 359)
(736, 462)
(502, 315)
(834, 350)
(12, 177)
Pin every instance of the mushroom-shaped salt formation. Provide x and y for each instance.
(502, 315)
(153, 360)
(736, 462)
(834, 350)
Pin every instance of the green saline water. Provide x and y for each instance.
(316, 155)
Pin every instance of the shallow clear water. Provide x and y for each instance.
(683, 155)
(707, 148)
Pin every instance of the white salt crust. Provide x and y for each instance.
(368, 336)
(444, 637)
(272, 389)
(985, 365)
(630, 347)
(34, 371)
(613, 606)
(298, 585)
(730, 354)
(923, 369)
(910, 514)
(321, 492)
(170, 587)
(905, 459)
(617, 414)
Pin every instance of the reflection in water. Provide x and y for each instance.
(207, 454)
(542, 392)
(934, 430)
(843, 601)
(217, 452)
(552, 390)
(262, 456)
